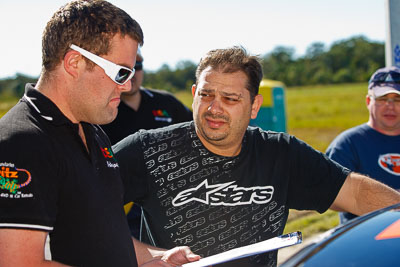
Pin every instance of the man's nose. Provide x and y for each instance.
(126, 87)
(216, 106)
(390, 101)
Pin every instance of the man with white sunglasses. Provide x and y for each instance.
(58, 175)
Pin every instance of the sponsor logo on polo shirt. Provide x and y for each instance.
(161, 115)
(112, 165)
(108, 154)
(226, 194)
(12, 179)
(390, 163)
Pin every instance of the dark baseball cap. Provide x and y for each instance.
(385, 81)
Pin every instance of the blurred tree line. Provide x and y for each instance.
(14, 86)
(346, 61)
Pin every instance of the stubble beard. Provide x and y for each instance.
(208, 134)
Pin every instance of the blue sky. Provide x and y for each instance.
(184, 30)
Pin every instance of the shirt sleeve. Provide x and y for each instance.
(29, 182)
(129, 155)
(315, 179)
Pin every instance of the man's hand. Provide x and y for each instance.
(179, 255)
(173, 257)
(147, 255)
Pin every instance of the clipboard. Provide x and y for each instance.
(249, 250)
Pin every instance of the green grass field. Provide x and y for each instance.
(6, 103)
(318, 114)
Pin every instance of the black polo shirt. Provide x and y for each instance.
(49, 182)
(157, 109)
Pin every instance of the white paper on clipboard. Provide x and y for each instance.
(257, 248)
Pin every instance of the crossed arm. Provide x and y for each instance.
(361, 194)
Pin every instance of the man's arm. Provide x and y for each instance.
(361, 194)
(152, 255)
(20, 247)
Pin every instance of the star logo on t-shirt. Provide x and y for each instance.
(200, 193)
(225, 194)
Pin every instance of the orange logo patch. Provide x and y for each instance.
(12, 178)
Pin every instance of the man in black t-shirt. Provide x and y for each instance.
(216, 184)
(58, 174)
(143, 108)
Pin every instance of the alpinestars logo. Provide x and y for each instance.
(390, 163)
(226, 194)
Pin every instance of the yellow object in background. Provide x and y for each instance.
(272, 114)
(265, 90)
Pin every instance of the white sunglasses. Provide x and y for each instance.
(119, 74)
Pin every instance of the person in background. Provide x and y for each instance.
(58, 175)
(143, 108)
(216, 184)
(373, 148)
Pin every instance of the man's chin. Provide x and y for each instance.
(215, 136)
(107, 120)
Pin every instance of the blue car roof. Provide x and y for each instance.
(369, 240)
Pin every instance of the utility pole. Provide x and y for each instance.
(392, 47)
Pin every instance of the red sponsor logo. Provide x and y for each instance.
(107, 153)
(390, 163)
(160, 113)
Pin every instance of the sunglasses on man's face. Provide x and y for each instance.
(119, 74)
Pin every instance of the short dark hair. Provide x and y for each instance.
(234, 59)
(90, 24)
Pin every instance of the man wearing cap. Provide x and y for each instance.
(143, 108)
(373, 148)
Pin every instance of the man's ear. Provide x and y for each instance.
(255, 107)
(193, 90)
(368, 100)
(71, 62)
